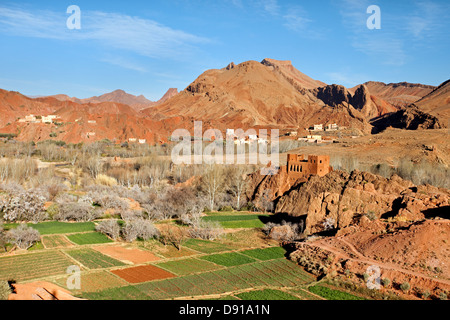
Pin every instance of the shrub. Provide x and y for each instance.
(5, 290)
(52, 210)
(139, 229)
(3, 239)
(77, 211)
(328, 224)
(23, 236)
(105, 180)
(366, 277)
(443, 296)
(109, 227)
(286, 231)
(386, 282)
(371, 215)
(405, 286)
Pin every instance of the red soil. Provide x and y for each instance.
(142, 274)
(40, 290)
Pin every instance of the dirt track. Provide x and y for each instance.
(357, 256)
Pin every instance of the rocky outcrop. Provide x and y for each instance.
(410, 118)
(334, 95)
(362, 101)
(340, 197)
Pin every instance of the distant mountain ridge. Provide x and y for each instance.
(268, 94)
(120, 96)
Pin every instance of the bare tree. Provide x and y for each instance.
(23, 236)
(206, 230)
(139, 228)
(24, 206)
(109, 227)
(265, 202)
(213, 183)
(173, 234)
(237, 182)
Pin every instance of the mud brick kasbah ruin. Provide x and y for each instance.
(299, 168)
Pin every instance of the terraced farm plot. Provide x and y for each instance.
(93, 259)
(56, 241)
(188, 266)
(205, 246)
(258, 274)
(238, 221)
(89, 238)
(33, 265)
(333, 294)
(142, 274)
(266, 253)
(95, 281)
(228, 259)
(304, 294)
(132, 255)
(266, 294)
(119, 293)
(169, 251)
(56, 227)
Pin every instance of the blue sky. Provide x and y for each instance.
(146, 47)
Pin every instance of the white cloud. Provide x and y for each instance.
(119, 31)
(426, 20)
(384, 45)
(296, 20)
(270, 6)
(123, 63)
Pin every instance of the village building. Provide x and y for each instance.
(332, 127)
(29, 118)
(318, 127)
(48, 119)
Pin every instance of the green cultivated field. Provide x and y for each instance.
(205, 246)
(188, 266)
(33, 265)
(266, 294)
(231, 268)
(266, 253)
(238, 221)
(93, 259)
(89, 238)
(56, 241)
(332, 294)
(229, 259)
(257, 274)
(56, 227)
